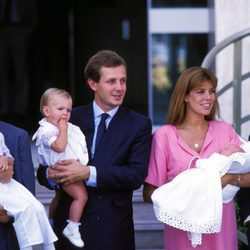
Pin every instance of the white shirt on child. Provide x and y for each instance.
(76, 147)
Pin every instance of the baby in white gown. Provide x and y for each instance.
(30, 219)
(192, 201)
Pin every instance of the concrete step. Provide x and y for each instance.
(148, 231)
(148, 235)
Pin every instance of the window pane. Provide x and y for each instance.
(171, 54)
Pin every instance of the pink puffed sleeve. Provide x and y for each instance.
(234, 137)
(157, 171)
(224, 134)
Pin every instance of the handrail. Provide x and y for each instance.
(236, 40)
(221, 45)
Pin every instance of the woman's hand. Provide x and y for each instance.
(68, 172)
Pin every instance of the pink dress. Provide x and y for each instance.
(170, 155)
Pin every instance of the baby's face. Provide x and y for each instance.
(57, 109)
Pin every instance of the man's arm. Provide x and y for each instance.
(126, 174)
(69, 171)
(129, 168)
(42, 176)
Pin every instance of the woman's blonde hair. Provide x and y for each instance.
(190, 79)
(48, 95)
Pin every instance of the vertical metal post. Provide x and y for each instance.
(237, 86)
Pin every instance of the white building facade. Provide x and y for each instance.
(181, 33)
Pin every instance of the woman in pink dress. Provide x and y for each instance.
(192, 130)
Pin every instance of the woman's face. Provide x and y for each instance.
(200, 100)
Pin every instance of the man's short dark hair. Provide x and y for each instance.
(103, 58)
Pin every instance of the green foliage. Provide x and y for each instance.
(241, 228)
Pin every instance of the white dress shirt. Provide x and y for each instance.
(97, 118)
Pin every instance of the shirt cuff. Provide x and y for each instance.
(92, 177)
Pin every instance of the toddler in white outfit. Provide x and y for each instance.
(56, 140)
(30, 219)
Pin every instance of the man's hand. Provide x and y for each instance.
(4, 218)
(68, 172)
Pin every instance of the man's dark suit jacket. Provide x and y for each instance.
(17, 140)
(121, 163)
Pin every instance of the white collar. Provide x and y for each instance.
(98, 111)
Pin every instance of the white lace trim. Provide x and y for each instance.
(187, 224)
(195, 239)
(194, 229)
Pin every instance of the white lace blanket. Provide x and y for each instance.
(192, 201)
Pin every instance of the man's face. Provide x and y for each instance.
(111, 88)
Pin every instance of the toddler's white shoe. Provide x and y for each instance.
(73, 235)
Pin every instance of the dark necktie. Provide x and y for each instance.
(101, 131)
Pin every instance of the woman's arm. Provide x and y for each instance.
(148, 189)
(240, 180)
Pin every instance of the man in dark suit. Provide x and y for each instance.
(118, 164)
(17, 140)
